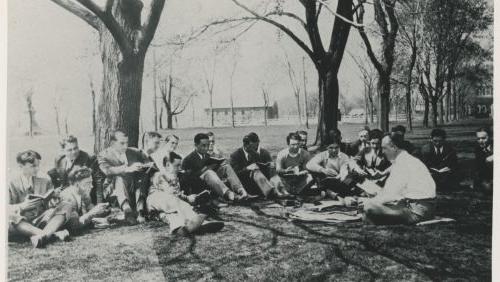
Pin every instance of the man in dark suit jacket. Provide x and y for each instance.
(200, 174)
(483, 172)
(74, 157)
(406, 145)
(441, 159)
(126, 169)
(357, 146)
(253, 166)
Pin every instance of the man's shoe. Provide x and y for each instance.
(130, 216)
(62, 235)
(202, 198)
(39, 241)
(242, 195)
(181, 231)
(210, 227)
(229, 195)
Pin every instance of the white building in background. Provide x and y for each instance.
(242, 115)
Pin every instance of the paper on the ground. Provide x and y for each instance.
(334, 217)
(436, 220)
(370, 187)
(325, 205)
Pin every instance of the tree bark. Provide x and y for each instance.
(426, 112)
(161, 118)
(434, 104)
(441, 111)
(328, 105)
(170, 124)
(413, 60)
(384, 90)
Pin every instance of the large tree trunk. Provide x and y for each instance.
(434, 104)
(328, 105)
(120, 100)
(384, 91)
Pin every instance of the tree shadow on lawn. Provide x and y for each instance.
(435, 252)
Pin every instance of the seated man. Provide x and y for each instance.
(371, 164)
(331, 170)
(409, 193)
(77, 196)
(360, 144)
(167, 199)
(34, 209)
(125, 169)
(483, 172)
(73, 156)
(333, 134)
(303, 139)
(225, 171)
(441, 160)
(253, 166)
(160, 157)
(291, 171)
(407, 145)
(200, 173)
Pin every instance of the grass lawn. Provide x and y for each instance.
(258, 243)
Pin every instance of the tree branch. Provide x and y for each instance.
(281, 27)
(368, 45)
(80, 12)
(149, 28)
(358, 25)
(111, 24)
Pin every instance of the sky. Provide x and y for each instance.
(55, 54)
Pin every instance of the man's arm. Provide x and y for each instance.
(237, 163)
(108, 168)
(316, 164)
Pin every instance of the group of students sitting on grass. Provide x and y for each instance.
(378, 172)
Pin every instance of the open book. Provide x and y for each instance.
(47, 196)
(444, 169)
(214, 160)
(370, 187)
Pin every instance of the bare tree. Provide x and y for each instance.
(265, 97)
(235, 62)
(124, 40)
(368, 75)
(326, 60)
(174, 104)
(387, 23)
(209, 83)
(94, 114)
(295, 86)
(31, 110)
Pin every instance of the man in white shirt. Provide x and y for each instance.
(409, 193)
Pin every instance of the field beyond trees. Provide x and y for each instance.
(258, 243)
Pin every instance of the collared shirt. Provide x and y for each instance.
(246, 154)
(438, 150)
(27, 183)
(285, 159)
(409, 179)
(201, 156)
(69, 164)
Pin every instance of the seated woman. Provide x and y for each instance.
(34, 207)
(77, 196)
(370, 163)
(173, 206)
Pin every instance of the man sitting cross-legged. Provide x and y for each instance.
(409, 193)
(331, 170)
(201, 172)
(253, 166)
(370, 163)
(171, 204)
(126, 169)
(34, 208)
(77, 196)
(441, 159)
(483, 172)
(292, 175)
